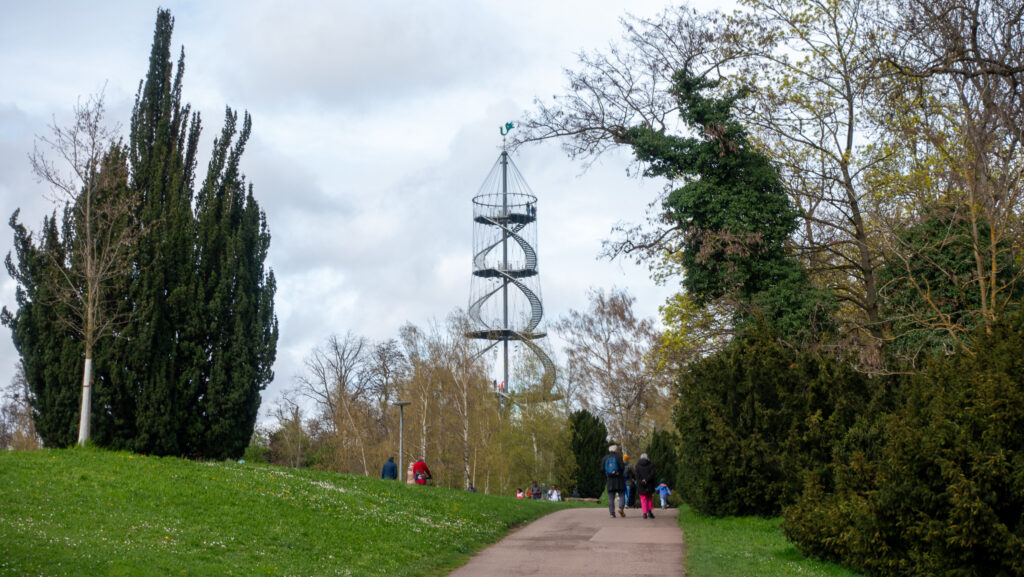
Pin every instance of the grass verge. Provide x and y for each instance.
(94, 512)
(731, 546)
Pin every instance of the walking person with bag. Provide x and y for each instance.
(645, 484)
(613, 469)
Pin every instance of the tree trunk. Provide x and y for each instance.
(83, 423)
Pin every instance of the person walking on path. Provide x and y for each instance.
(663, 492)
(613, 469)
(420, 472)
(630, 476)
(390, 470)
(645, 481)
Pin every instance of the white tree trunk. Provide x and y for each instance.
(83, 423)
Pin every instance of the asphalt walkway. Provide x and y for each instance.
(586, 542)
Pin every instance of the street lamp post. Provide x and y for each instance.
(401, 425)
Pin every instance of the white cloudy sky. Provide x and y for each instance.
(374, 124)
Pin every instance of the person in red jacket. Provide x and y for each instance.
(420, 472)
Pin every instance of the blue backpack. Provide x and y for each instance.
(611, 466)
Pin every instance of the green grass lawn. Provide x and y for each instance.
(735, 546)
(93, 512)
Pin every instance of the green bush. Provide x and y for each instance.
(661, 450)
(936, 486)
(756, 419)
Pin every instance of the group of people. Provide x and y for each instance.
(621, 478)
(419, 472)
(536, 492)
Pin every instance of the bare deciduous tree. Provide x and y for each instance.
(333, 381)
(959, 74)
(90, 177)
(17, 427)
(612, 352)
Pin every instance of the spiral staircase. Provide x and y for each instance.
(505, 301)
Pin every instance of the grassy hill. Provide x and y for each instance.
(93, 512)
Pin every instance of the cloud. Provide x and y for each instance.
(374, 125)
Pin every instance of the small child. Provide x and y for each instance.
(663, 492)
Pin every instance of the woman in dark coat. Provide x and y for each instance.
(645, 482)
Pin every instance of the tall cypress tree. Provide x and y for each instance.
(185, 375)
(162, 146)
(235, 327)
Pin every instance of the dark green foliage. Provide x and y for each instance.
(936, 486)
(733, 213)
(50, 350)
(932, 293)
(756, 419)
(184, 375)
(588, 445)
(234, 325)
(661, 450)
(733, 209)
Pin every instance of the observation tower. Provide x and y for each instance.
(505, 303)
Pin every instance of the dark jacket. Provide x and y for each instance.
(646, 477)
(390, 470)
(616, 482)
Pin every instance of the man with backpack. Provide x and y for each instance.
(613, 469)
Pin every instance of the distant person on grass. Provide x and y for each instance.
(645, 476)
(390, 470)
(420, 472)
(535, 491)
(554, 494)
(613, 468)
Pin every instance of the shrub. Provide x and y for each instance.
(936, 486)
(758, 417)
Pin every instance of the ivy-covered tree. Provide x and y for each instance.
(587, 441)
(732, 213)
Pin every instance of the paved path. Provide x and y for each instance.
(585, 542)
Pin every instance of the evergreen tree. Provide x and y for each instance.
(235, 329)
(51, 353)
(185, 374)
(155, 362)
(662, 452)
(588, 437)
